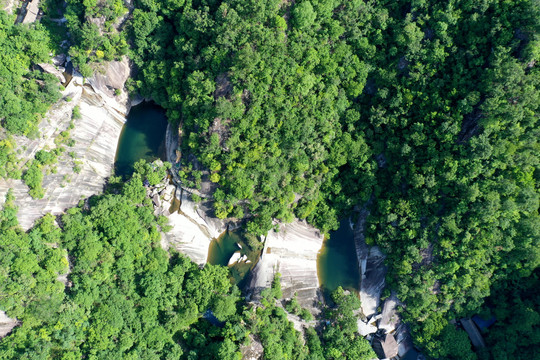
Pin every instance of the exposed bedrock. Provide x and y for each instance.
(292, 252)
(372, 268)
(193, 230)
(6, 324)
(96, 136)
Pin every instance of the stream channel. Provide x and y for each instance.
(143, 137)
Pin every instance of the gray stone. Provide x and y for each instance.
(372, 269)
(292, 252)
(31, 12)
(385, 346)
(156, 200)
(390, 318)
(236, 257)
(96, 137)
(6, 324)
(253, 351)
(59, 60)
(365, 329)
(110, 76)
(49, 68)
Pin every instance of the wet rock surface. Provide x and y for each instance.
(292, 252)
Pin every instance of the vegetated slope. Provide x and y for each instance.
(25, 93)
(264, 104)
(127, 298)
(287, 103)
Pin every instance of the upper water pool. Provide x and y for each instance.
(143, 137)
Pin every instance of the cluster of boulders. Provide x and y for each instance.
(388, 335)
(162, 196)
(237, 257)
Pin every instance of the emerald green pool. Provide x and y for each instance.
(143, 137)
(337, 264)
(222, 249)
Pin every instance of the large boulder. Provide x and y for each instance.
(6, 324)
(110, 76)
(390, 318)
(51, 69)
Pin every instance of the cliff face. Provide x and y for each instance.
(96, 137)
(192, 230)
(292, 252)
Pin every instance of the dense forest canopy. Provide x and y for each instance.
(308, 108)
(127, 298)
(424, 113)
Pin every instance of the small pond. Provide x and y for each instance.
(337, 264)
(223, 248)
(143, 137)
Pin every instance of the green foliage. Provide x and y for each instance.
(33, 177)
(261, 105)
(26, 94)
(515, 304)
(153, 172)
(8, 159)
(127, 295)
(94, 32)
(303, 15)
(76, 113)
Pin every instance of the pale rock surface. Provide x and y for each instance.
(31, 12)
(51, 69)
(234, 258)
(404, 339)
(292, 252)
(6, 324)
(253, 351)
(372, 268)
(96, 137)
(110, 75)
(192, 232)
(390, 319)
(8, 6)
(59, 60)
(365, 329)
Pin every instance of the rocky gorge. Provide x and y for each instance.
(292, 251)
(95, 135)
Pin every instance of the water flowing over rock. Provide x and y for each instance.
(193, 230)
(6, 324)
(96, 137)
(293, 253)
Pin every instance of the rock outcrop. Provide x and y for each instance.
(192, 229)
(96, 137)
(51, 69)
(6, 324)
(372, 268)
(292, 252)
(110, 76)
